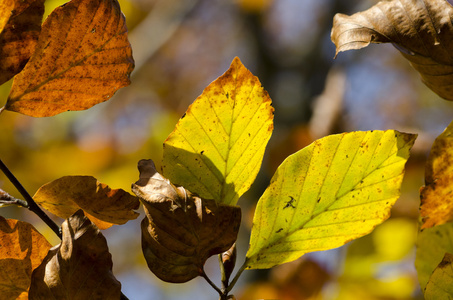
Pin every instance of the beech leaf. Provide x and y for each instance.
(78, 268)
(333, 191)
(432, 244)
(82, 57)
(440, 284)
(20, 25)
(421, 29)
(181, 230)
(218, 145)
(102, 205)
(22, 249)
(437, 194)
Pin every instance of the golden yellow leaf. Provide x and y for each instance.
(437, 194)
(20, 25)
(22, 249)
(218, 145)
(79, 268)
(102, 205)
(440, 284)
(82, 57)
(421, 29)
(181, 230)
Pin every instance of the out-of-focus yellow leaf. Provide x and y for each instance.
(327, 194)
(22, 249)
(20, 24)
(421, 29)
(103, 206)
(440, 284)
(432, 244)
(180, 230)
(82, 57)
(437, 194)
(218, 145)
(79, 268)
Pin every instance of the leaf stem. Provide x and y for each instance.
(31, 204)
(203, 274)
(236, 277)
(2, 109)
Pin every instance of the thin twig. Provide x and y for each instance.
(30, 202)
(203, 274)
(236, 277)
(2, 109)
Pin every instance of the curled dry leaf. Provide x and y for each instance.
(22, 249)
(421, 29)
(102, 205)
(20, 25)
(181, 230)
(79, 268)
(82, 57)
(437, 194)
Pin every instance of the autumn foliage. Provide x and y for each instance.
(335, 190)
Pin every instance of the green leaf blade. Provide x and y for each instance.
(333, 191)
(217, 147)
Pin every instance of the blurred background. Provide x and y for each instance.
(179, 48)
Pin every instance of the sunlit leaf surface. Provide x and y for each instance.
(421, 29)
(20, 25)
(102, 205)
(327, 194)
(180, 230)
(82, 57)
(22, 249)
(217, 147)
(78, 268)
(437, 194)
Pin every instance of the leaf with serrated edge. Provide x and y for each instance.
(440, 284)
(420, 29)
(20, 25)
(102, 205)
(78, 268)
(22, 249)
(82, 57)
(217, 147)
(437, 194)
(327, 194)
(432, 244)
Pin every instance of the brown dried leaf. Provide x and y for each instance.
(437, 194)
(79, 268)
(83, 56)
(102, 205)
(22, 249)
(181, 230)
(421, 29)
(20, 25)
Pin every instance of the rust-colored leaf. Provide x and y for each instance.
(181, 230)
(22, 249)
(82, 57)
(20, 25)
(437, 194)
(102, 205)
(421, 29)
(78, 268)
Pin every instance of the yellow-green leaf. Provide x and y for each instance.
(22, 249)
(437, 194)
(421, 29)
(81, 59)
(440, 284)
(218, 145)
(102, 205)
(327, 194)
(432, 244)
